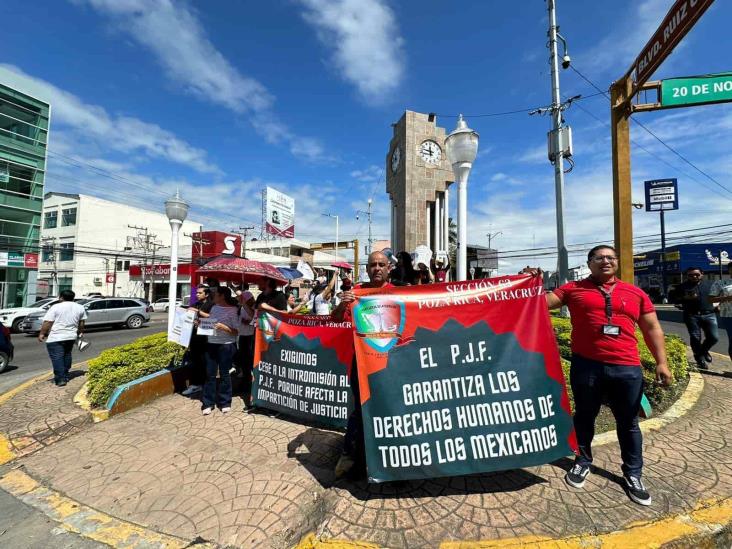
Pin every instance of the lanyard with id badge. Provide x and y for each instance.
(609, 329)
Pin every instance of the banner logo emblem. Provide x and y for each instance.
(379, 321)
(269, 326)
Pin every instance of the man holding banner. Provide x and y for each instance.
(606, 363)
(353, 444)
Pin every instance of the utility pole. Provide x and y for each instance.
(243, 233)
(664, 298)
(560, 136)
(145, 241)
(114, 276)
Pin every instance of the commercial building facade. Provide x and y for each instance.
(89, 244)
(24, 125)
(713, 258)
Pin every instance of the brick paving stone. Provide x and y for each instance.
(253, 480)
(43, 415)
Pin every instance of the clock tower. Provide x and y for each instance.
(417, 181)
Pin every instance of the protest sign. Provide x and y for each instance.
(206, 326)
(182, 328)
(459, 378)
(301, 367)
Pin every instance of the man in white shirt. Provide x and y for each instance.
(63, 323)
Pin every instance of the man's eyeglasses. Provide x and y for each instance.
(601, 258)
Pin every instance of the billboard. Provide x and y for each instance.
(279, 213)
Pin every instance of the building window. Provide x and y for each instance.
(68, 217)
(47, 253)
(64, 283)
(50, 220)
(123, 265)
(66, 251)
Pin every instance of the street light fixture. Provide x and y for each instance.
(337, 235)
(177, 210)
(461, 147)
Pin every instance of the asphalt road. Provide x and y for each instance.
(31, 358)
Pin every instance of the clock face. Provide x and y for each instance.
(396, 156)
(430, 152)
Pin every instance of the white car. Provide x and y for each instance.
(162, 305)
(13, 317)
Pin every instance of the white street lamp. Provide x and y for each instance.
(461, 147)
(177, 210)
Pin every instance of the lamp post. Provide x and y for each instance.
(462, 148)
(176, 209)
(368, 216)
(337, 235)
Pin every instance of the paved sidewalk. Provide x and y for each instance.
(250, 480)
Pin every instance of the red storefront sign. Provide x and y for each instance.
(110, 278)
(30, 261)
(161, 271)
(212, 243)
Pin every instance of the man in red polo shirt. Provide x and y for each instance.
(606, 363)
(353, 458)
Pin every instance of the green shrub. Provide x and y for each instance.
(126, 363)
(675, 353)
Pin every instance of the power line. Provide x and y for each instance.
(647, 129)
(517, 111)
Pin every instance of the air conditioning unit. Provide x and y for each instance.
(97, 281)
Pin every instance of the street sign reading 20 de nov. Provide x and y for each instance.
(696, 90)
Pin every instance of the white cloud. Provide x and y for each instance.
(172, 32)
(367, 47)
(534, 155)
(93, 123)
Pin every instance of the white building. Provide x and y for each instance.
(88, 244)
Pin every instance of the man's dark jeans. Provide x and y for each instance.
(696, 324)
(60, 353)
(621, 387)
(245, 360)
(219, 357)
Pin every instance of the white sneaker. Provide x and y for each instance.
(191, 390)
(232, 370)
(207, 411)
(226, 409)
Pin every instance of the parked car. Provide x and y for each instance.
(164, 305)
(33, 321)
(108, 311)
(13, 317)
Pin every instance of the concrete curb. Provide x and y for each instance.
(88, 522)
(145, 389)
(701, 527)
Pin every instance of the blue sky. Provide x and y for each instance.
(222, 98)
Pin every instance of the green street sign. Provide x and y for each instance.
(696, 90)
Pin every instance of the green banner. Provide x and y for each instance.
(459, 378)
(695, 90)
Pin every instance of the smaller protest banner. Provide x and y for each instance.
(182, 328)
(301, 367)
(206, 326)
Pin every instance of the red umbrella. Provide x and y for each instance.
(237, 268)
(341, 265)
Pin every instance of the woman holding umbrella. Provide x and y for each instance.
(220, 350)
